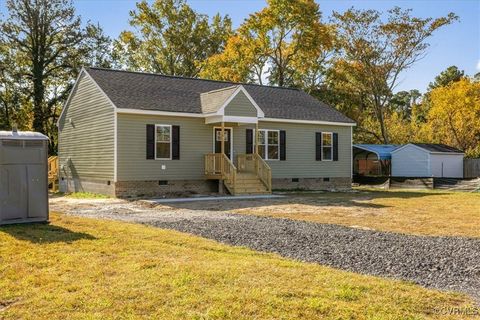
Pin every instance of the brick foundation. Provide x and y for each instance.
(312, 184)
(185, 188)
(172, 188)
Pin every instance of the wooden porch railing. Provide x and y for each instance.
(229, 173)
(246, 163)
(264, 172)
(220, 166)
(213, 164)
(53, 172)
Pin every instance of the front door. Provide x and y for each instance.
(228, 141)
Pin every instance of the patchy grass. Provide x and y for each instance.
(86, 195)
(414, 212)
(77, 268)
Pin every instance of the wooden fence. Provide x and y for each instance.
(471, 168)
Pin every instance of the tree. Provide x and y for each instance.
(375, 51)
(285, 43)
(454, 116)
(451, 74)
(476, 77)
(170, 38)
(48, 47)
(403, 102)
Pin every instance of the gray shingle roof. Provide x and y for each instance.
(436, 147)
(147, 91)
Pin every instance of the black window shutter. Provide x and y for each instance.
(175, 142)
(283, 145)
(335, 146)
(249, 144)
(318, 146)
(150, 141)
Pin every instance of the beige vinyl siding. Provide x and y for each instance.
(89, 139)
(240, 106)
(196, 139)
(300, 145)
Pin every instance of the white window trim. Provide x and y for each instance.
(266, 143)
(331, 146)
(231, 139)
(156, 141)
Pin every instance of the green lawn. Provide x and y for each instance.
(77, 268)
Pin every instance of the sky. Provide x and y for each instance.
(457, 44)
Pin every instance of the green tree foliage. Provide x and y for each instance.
(374, 52)
(170, 38)
(285, 43)
(47, 45)
(403, 102)
(451, 74)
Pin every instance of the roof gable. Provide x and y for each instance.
(212, 101)
(154, 92)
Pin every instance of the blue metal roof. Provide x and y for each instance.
(383, 151)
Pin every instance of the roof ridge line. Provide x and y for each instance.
(221, 89)
(192, 78)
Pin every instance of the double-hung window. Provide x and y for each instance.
(327, 146)
(163, 142)
(269, 144)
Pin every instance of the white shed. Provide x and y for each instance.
(423, 160)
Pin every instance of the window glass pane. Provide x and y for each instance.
(273, 152)
(219, 135)
(163, 133)
(163, 150)
(272, 137)
(261, 150)
(261, 137)
(327, 139)
(327, 153)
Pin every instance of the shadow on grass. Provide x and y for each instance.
(42, 233)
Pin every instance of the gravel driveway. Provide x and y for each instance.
(447, 263)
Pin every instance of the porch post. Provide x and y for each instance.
(256, 137)
(223, 137)
(221, 187)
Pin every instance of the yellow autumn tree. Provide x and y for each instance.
(454, 116)
(284, 44)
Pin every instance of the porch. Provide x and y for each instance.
(239, 174)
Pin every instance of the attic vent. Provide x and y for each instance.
(33, 144)
(12, 143)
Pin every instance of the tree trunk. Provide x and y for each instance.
(38, 100)
(383, 128)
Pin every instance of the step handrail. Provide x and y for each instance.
(263, 171)
(229, 173)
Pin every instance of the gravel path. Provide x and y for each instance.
(447, 263)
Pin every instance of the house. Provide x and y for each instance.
(130, 134)
(373, 159)
(427, 160)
